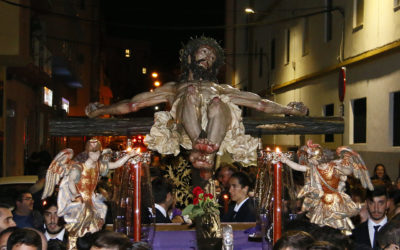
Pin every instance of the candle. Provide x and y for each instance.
(226, 200)
(277, 198)
(137, 201)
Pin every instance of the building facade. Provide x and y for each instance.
(300, 50)
(49, 68)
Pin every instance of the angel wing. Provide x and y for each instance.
(57, 169)
(351, 158)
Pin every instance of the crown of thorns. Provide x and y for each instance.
(194, 43)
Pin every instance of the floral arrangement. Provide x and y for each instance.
(203, 203)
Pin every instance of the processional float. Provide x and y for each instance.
(132, 180)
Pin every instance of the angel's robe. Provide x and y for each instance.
(89, 215)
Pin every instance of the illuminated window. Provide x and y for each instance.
(144, 70)
(47, 96)
(65, 104)
(127, 53)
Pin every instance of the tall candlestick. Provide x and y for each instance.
(137, 203)
(277, 200)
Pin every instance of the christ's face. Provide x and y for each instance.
(205, 56)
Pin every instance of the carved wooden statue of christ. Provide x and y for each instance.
(204, 116)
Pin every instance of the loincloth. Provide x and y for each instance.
(166, 135)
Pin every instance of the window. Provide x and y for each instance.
(47, 96)
(359, 120)
(65, 104)
(287, 46)
(358, 14)
(396, 119)
(306, 36)
(260, 69)
(272, 63)
(328, 20)
(144, 70)
(127, 53)
(329, 111)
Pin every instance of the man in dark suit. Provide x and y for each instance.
(163, 198)
(377, 205)
(242, 208)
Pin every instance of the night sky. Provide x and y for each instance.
(165, 24)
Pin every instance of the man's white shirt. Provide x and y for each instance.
(371, 229)
(59, 236)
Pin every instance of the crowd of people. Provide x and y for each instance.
(35, 222)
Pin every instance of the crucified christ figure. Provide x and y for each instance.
(204, 116)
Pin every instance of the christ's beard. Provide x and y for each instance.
(200, 73)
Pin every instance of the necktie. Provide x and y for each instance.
(376, 228)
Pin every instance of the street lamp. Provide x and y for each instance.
(154, 74)
(249, 11)
(157, 84)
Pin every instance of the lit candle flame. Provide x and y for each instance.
(138, 150)
(226, 197)
(129, 149)
(268, 149)
(277, 150)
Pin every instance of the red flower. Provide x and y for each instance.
(195, 201)
(197, 190)
(208, 195)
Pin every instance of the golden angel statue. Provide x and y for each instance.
(83, 209)
(325, 201)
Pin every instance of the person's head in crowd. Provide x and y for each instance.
(24, 239)
(294, 240)
(163, 192)
(323, 245)
(300, 223)
(154, 173)
(224, 173)
(85, 242)
(333, 236)
(389, 236)
(357, 195)
(56, 244)
(377, 203)
(380, 173)
(239, 186)
(53, 224)
(206, 174)
(394, 198)
(4, 235)
(6, 217)
(398, 183)
(42, 237)
(24, 203)
(107, 240)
